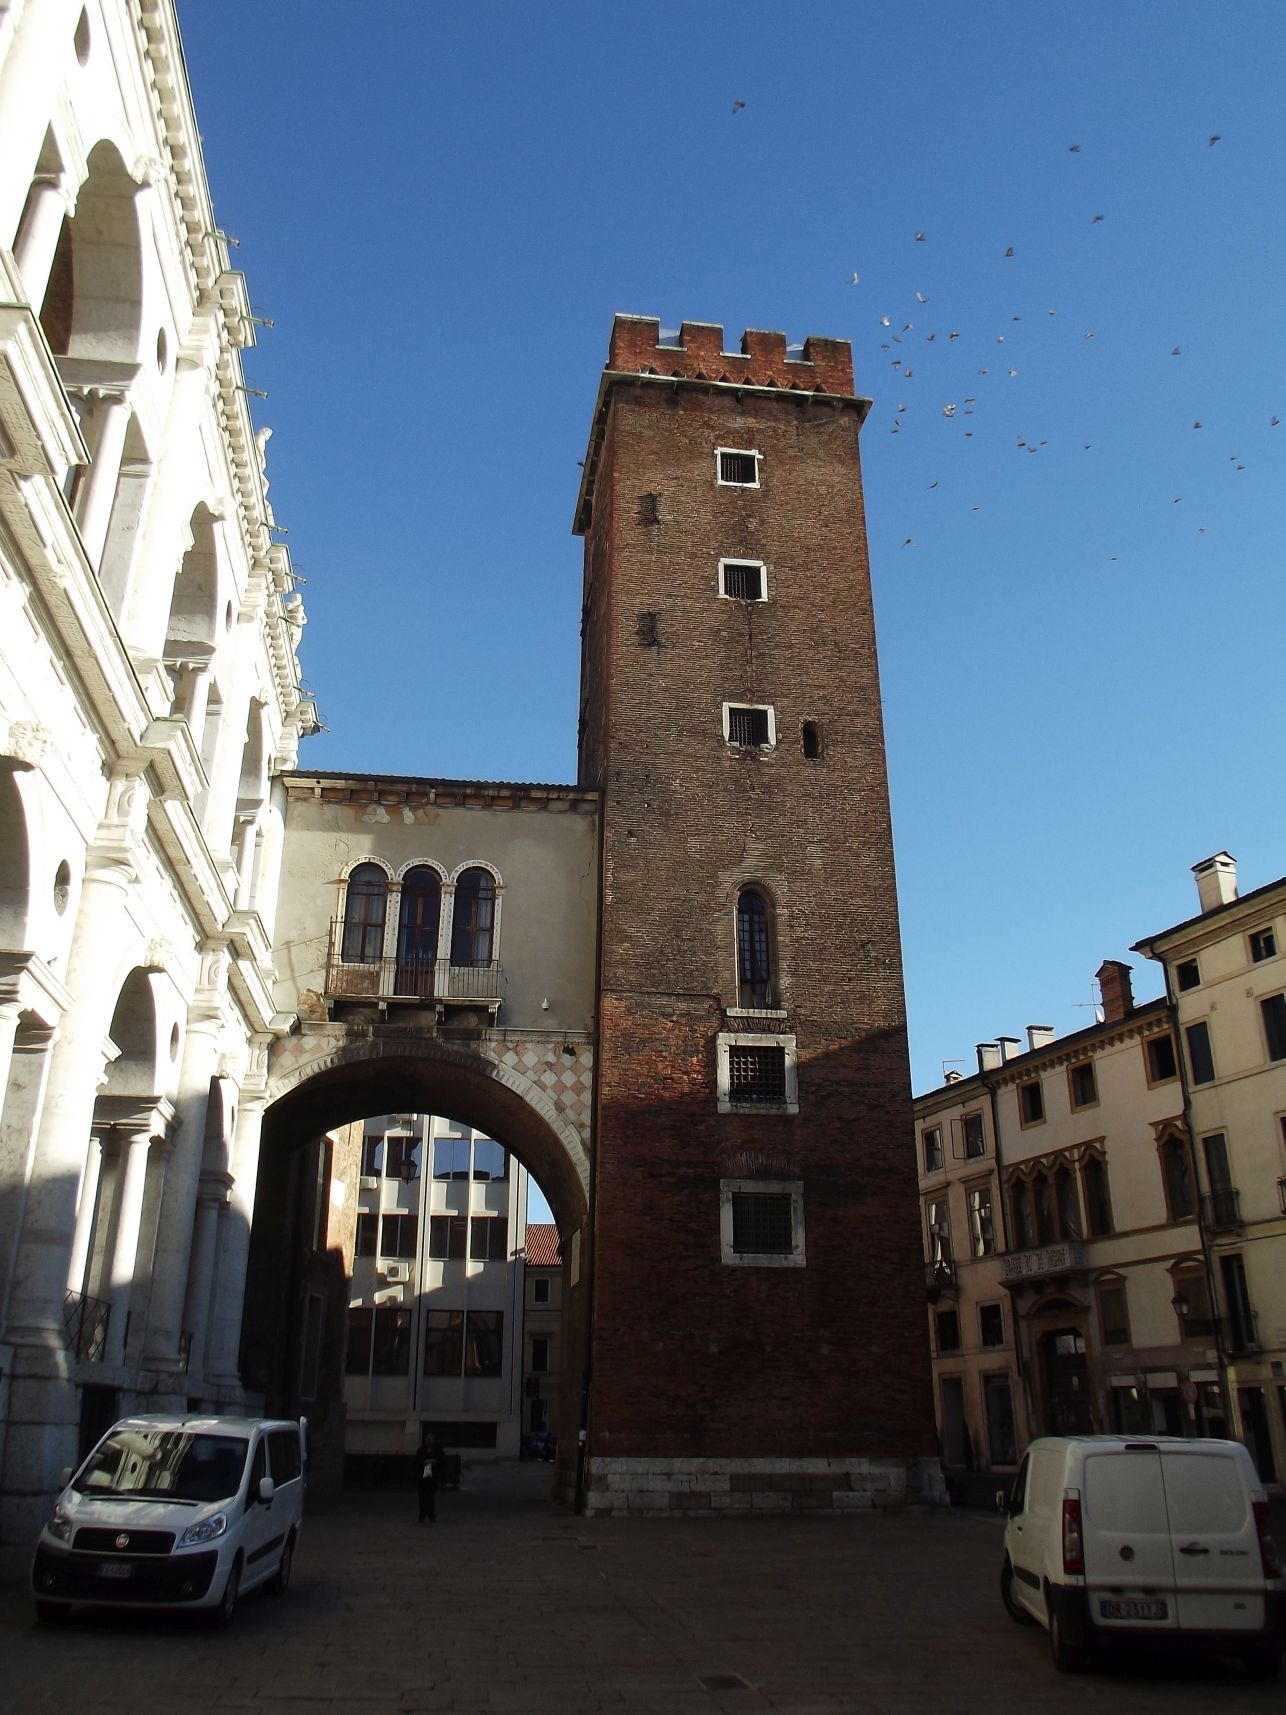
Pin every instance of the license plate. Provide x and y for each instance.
(1133, 1610)
(115, 1569)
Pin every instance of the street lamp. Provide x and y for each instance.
(1182, 1308)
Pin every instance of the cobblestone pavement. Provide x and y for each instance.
(510, 1606)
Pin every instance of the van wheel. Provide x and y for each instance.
(1013, 1607)
(1263, 1662)
(279, 1583)
(1069, 1656)
(51, 1613)
(222, 1615)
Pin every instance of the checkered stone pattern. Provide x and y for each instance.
(672, 1488)
(566, 1079)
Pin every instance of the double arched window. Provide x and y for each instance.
(755, 984)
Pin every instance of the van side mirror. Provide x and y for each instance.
(267, 1489)
(64, 1476)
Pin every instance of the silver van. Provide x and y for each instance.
(1113, 1539)
(175, 1512)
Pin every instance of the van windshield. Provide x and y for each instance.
(163, 1464)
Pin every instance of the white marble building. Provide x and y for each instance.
(149, 697)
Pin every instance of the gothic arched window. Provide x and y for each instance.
(417, 930)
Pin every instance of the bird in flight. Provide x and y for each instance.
(1010, 251)
(1073, 148)
(919, 238)
(1176, 352)
(737, 106)
(856, 280)
(1217, 138)
(920, 298)
(909, 543)
(1096, 220)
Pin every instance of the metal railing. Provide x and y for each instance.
(408, 978)
(1241, 1330)
(85, 1326)
(1221, 1207)
(940, 1279)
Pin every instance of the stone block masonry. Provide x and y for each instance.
(686, 1488)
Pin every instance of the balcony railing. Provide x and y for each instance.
(1044, 1261)
(410, 979)
(85, 1326)
(940, 1279)
(1221, 1207)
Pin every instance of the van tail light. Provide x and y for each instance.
(1073, 1546)
(1270, 1558)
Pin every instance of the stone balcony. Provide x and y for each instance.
(1046, 1261)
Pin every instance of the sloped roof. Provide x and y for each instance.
(542, 1245)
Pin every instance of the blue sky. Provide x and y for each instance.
(442, 206)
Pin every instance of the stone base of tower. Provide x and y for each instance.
(706, 1488)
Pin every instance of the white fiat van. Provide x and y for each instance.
(1113, 1539)
(175, 1512)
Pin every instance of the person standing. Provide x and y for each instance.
(430, 1463)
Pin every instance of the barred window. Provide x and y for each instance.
(761, 1223)
(757, 1075)
(739, 469)
(749, 727)
(743, 580)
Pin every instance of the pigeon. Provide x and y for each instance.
(1000, 339)
(947, 411)
(919, 238)
(1012, 373)
(1073, 148)
(1198, 424)
(1090, 334)
(1176, 352)
(975, 509)
(737, 106)
(1015, 318)
(909, 543)
(1097, 218)
(1273, 424)
(982, 372)
(885, 322)
(929, 337)
(957, 336)
(1010, 251)
(1051, 312)
(1087, 447)
(906, 374)
(920, 298)
(932, 485)
(1217, 138)
(1177, 501)
(856, 280)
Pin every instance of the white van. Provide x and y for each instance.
(175, 1512)
(1113, 1539)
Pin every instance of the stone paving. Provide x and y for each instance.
(511, 1606)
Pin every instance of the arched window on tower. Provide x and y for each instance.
(754, 950)
(473, 924)
(364, 909)
(417, 930)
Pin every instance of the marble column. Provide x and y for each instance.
(212, 1200)
(38, 240)
(127, 1217)
(228, 1292)
(86, 1216)
(24, 1094)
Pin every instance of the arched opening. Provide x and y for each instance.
(755, 986)
(402, 1303)
(191, 631)
(365, 904)
(419, 916)
(93, 304)
(15, 864)
(474, 918)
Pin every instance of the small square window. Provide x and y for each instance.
(948, 1323)
(540, 1292)
(1162, 1065)
(743, 580)
(933, 1149)
(1263, 945)
(1188, 974)
(749, 725)
(1031, 1103)
(761, 1222)
(756, 1074)
(1200, 1057)
(736, 468)
(1082, 1084)
(991, 1324)
(975, 1138)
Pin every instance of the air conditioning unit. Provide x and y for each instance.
(397, 1273)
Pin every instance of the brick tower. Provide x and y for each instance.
(757, 1322)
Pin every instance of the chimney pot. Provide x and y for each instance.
(1216, 880)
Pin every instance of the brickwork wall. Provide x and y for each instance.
(692, 1357)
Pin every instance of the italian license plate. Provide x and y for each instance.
(115, 1569)
(1133, 1609)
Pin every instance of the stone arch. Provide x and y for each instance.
(138, 1070)
(421, 863)
(93, 305)
(477, 863)
(192, 629)
(423, 1074)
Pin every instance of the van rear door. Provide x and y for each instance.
(1219, 1578)
(1129, 1568)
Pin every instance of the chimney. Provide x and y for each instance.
(988, 1056)
(1010, 1047)
(1039, 1035)
(1116, 990)
(1216, 881)
(954, 1077)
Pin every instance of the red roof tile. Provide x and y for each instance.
(542, 1245)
